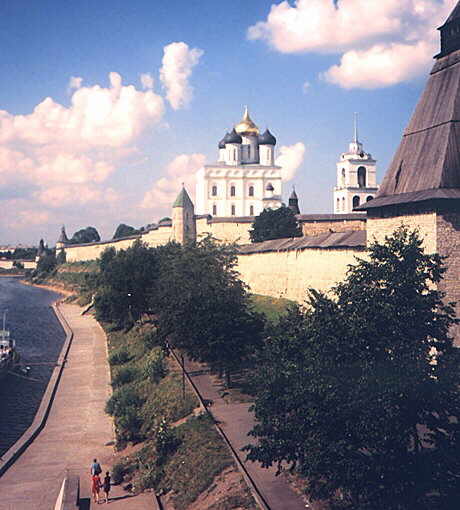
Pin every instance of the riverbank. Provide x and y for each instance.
(53, 288)
(77, 428)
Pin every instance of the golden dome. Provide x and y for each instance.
(246, 126)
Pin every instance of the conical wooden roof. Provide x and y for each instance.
(426, 165)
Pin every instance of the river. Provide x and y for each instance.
(39, 339)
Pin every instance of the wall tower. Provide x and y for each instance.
(183, 218)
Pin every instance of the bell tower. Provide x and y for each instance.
(356, 177)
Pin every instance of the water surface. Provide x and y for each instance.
(39, 339)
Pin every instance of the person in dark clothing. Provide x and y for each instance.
(106, 486)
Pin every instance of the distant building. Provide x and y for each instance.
(245, 179)
(356, 178)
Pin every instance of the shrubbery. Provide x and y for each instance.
(155, 365)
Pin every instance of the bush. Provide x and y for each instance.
(122, 399)
(119, 357)
(152, 339)
(118, 471)
(155, 366)
(124, 375)
(129, 424)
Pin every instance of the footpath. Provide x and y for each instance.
(235, 420)
(77, 430)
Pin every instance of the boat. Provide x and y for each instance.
(9, 357)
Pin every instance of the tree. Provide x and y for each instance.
(124, 231)
(61, 257)
(203, 307)
(46, 263)
(359, 391)
(85, 235)
(274, 224)
(126, 283)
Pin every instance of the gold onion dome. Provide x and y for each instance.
(247, 126)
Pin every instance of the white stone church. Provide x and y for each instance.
(245, 180)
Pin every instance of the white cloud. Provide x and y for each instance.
(147, 81)
(62, 156)
(381, 66)
(289, 159)
(181, 170)
(306, 87)
(74, 83)
(177, 64)
(395, 39)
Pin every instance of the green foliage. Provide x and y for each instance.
(166, 441)
(351, 392)
(46, 264)
(272, 308)
(124, 231)
(203, 306)
(123, 375)
(118, 471)
(19, 253)
(123, 399)
(127, 282)
(155, 367)
(274, 224)
(18, 265)
(119, 356)
(85, 235)
(61, 257)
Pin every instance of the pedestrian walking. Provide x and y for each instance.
(106, 486)
(95, 468)
(96, 487)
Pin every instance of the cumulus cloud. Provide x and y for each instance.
(290, 158)
(74, 83)
(147, 81)
(65, 154)
(395, 39)
(177, 65)
(181, 170)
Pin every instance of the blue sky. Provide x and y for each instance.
(101, 152)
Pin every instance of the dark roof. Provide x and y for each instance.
(454, 15)
(183, 199)
(232, 219)
(428, 157)
(415, 196)
(331, 217)
(329, 240)
(267, 138)
(232, 137)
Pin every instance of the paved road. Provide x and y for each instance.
(77, 429)
(236, 421)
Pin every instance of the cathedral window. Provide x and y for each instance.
(370, 197)
(355, 201)
(343, 204)
(214, 210)
(232, 191)
(338, 205)
(343, 176)
(251, 191)
(233, 210)
(362, 177)
(214, 191)
(251, 210)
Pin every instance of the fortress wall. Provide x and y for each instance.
(288, 274)
(225, 231)
(448, 235)
(425, 221)
(92, 251)
(314, 227)
(8, 264)
(158, 237)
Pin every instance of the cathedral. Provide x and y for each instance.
(245, 180)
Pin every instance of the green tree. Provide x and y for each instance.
(126, 283)
(47, 263)
(274, 224)
(360, 390)
(61, 257)
(85, 235)
(124, 231)
(203, 307)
